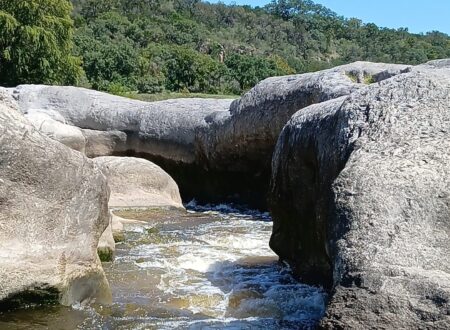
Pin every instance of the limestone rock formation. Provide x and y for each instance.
(244, 140)
(238, 146)
(163, 129)
(136, 182)
(117, 227)
(361, 204)
(215, 149)
(53, 209)
(360, 176)
(68, 135)
(436, 64)
(104, 143)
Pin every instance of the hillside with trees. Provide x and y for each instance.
(192, 46)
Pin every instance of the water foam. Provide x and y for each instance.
(211, 272)
(216, 274)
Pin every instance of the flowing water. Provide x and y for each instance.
(209, 268)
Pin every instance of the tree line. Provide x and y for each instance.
(149, 46)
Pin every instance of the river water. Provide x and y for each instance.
(209, 268)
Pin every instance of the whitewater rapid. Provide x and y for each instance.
(209, 268)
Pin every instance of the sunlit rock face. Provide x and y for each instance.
(216, 150)
(135, 183)
(244, 140)
(53, 209)
(163, 132)
(163, 129)
(238, 145)
(360, 200)
(138, 183)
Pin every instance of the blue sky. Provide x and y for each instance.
(417, 15)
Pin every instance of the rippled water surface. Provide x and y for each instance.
(208, 269)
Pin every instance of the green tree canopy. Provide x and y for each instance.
(197, 46)
(249, 70)
(148, 46)
(36, 43)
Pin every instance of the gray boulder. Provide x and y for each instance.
(163, 132)
(68, 135)
(117, 227)
(106, 244)
(237, 147)
(138, 183)
(215, 149)
(90, 142)
(163, 129)
(53, 209)
(104, 143)
(244, 139)
(360, 201)
(436, 64)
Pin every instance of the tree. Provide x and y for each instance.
(36, 43)
(93, 8)
(185, 5)
(286, 9)
(249, 70)
(185, 42)
(191, 70)
(108, 62)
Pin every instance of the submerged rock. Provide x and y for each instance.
(360, 200)
(53, 209)
(138, 183)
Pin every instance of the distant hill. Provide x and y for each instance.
(189, 45)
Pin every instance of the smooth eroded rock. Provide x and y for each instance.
(217, 150)
(68, 135)
(244, 140)
(361, 204)
(53, 209)
(117, 227)
(138, 183)
(163, 129)
(238, 146)
(107, 245)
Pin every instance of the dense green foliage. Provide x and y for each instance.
(153, 46)
(189, 45)
(36, 42)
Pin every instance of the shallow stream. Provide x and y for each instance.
(209, 268)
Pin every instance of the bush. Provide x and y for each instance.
(117, 88)
(149, 85)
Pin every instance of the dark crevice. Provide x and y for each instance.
(212, 186)
(30, 297)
